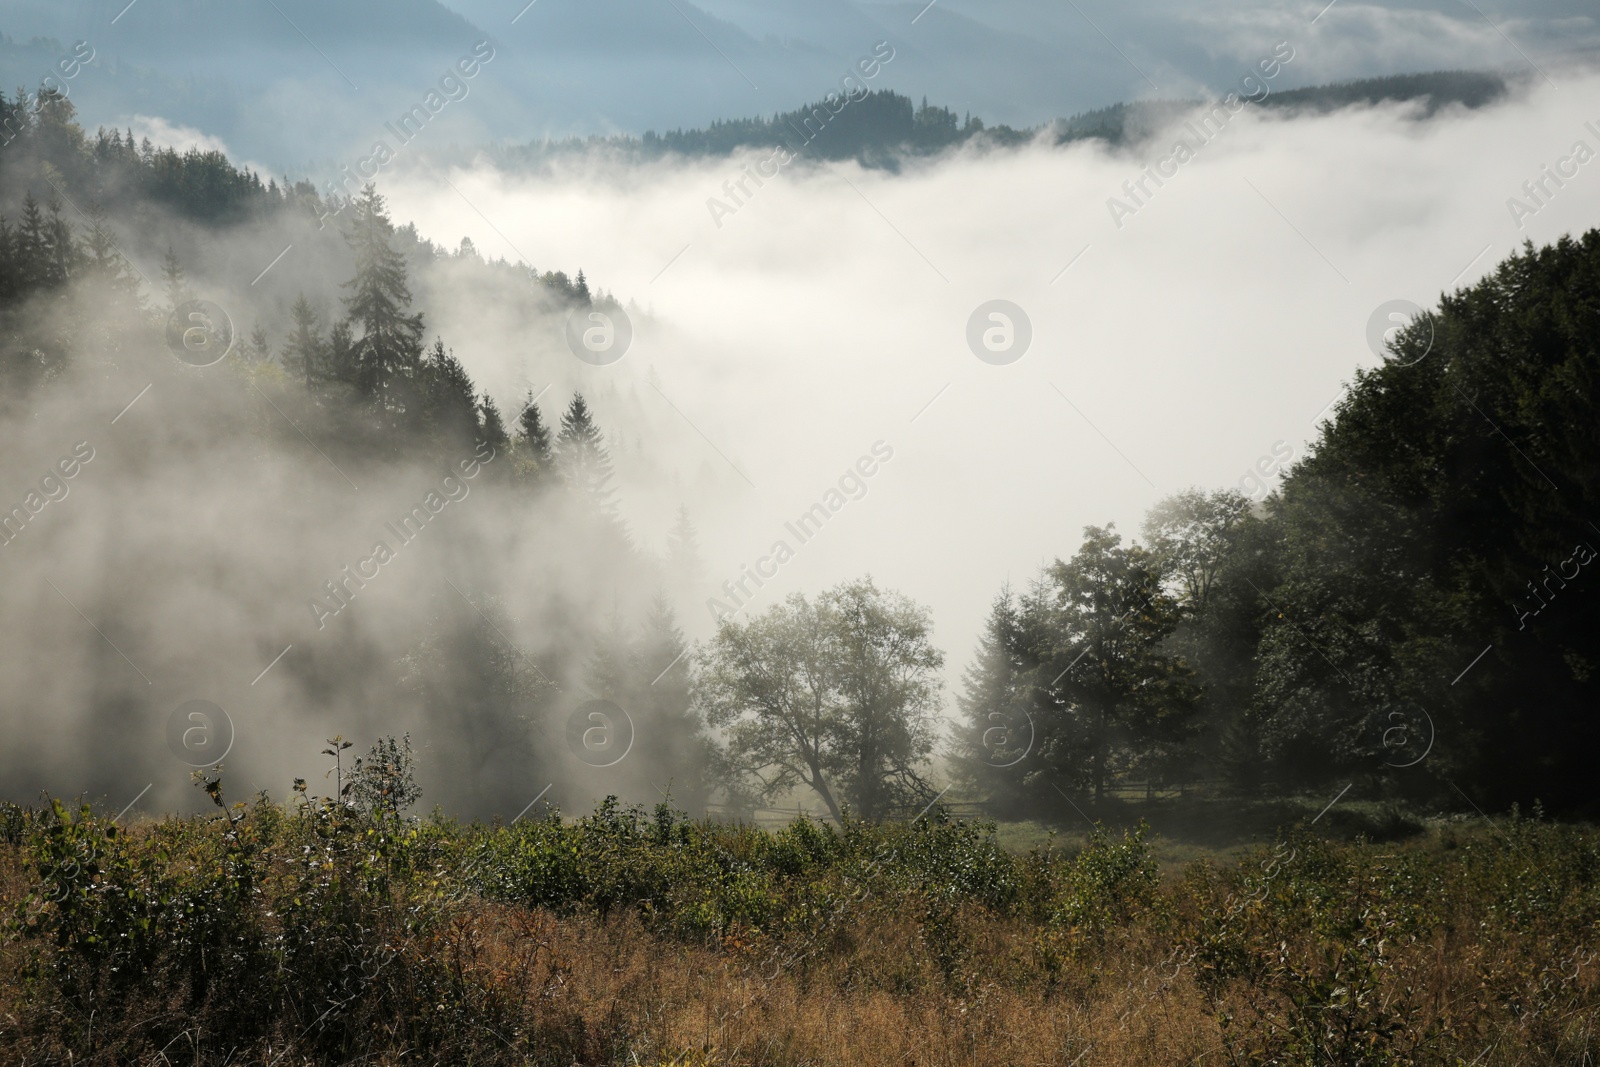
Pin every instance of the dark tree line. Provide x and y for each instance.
(1447, 510)
(881, 126)
(876, 127)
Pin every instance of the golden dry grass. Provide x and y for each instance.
(1453, 949)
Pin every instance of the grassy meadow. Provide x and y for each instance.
(329, 932)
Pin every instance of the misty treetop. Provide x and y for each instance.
(348, 368)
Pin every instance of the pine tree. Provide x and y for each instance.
(533, 461)
(491, 427)
(998, 735)
(257, 349)
(105, 266)
(33, 241)
(63, 256)
(390, 346)
(606, 673)
(582, 459)
(671, 734)
(343, 353)
(685, 570)
(11, 281)
(449, 405)
(304, 352)
(16, 119)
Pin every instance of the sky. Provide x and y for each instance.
(297, 85)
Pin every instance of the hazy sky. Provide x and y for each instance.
(299, 85)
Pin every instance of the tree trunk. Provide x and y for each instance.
(819, 785)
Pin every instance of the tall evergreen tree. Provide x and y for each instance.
(491, 427)
(672, 735)
(33, 243)
(532, 446)
(449, 406)
(685, 570)
(64, 255)
(105, 265)
(582, 459)
(996, 701)
(304, 351)
(11, 281)
(258, 348)
(389, 348)
(344, 354)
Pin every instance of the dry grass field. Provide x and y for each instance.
(327, 935)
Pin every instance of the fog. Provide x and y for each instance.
(830, 310)
(811, 329)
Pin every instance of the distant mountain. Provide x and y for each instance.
(1128, 122)
(884, 128)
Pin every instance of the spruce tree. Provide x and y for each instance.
(582, 459)
(304, 352)
(491, 427)
(62, 255)
(671, 733)
(257, 349)
(11, 281)
(110, 287)
(104, 263)
(390, 345)
(32, 242)
(343, 353)
(533, 463)
(450, 407)
(996, 700)
(685, 570)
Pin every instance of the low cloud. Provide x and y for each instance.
(1212, 328)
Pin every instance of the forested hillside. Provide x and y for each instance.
(882, 127)
(1413, 611)
(1406, 614)
(338, 388)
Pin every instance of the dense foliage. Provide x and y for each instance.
(338, 929)
(1334, 630)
